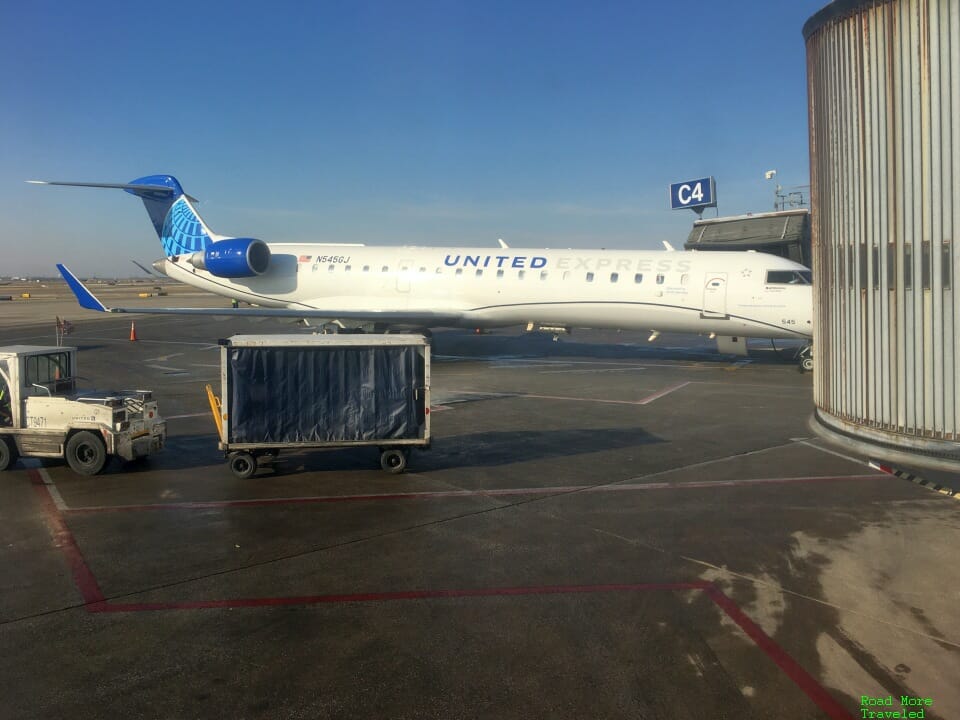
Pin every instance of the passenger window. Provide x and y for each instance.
(366, 268)
(660, 279)
(521, 274)
(459, 271)
(566, 274)
(479, 273)
(589, 277)
(684, 278)
(423, 270)
(384, 269)
(614, 277)
(330, 268)
(543, 274)
(499, 273)
(638, 278)
(346, 268)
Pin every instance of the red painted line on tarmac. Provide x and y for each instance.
(320, 499)
(791, 667)
(800, 677)
(393, 596)
(95, 601)
(62, 538)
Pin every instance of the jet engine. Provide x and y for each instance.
(233, 258)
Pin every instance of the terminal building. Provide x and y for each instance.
(883, 96)
(785, 233)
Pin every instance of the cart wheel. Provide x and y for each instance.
(8, 453)
(393, 460)
(86, 453)
(243, 465)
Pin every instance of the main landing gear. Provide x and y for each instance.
(805, 357)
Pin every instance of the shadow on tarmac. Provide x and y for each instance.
(456, 346)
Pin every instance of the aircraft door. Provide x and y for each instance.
(403, 276)
(715, 296)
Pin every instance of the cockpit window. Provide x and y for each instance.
(789, 277)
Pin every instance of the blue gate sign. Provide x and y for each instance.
(700, 193)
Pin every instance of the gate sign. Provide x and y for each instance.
(693, 194)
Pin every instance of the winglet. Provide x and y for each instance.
(84, 297)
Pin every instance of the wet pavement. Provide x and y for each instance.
(603, 528)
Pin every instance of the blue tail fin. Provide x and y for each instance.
(159, 193)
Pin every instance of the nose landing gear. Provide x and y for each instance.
(805, 357)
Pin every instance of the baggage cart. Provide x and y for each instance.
(302, 392)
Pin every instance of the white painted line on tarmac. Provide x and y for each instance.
(704, 463)
(858, 461)
(592, 370)
(666, 391)
(644, 401)
(167, 369)
(501, 396)
(512, 364)
(34, 464)
(500, 492)
(188, 415)
(201, 345)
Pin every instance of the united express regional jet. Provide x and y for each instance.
(728, 295)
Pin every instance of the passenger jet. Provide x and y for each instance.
(727, 295)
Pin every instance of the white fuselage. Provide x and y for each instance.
(727, 293)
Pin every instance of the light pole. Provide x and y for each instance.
(770, 175)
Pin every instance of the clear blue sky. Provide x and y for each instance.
(549, 124)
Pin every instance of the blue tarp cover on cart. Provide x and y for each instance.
(324, 394)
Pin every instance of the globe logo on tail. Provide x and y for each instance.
(183, 232)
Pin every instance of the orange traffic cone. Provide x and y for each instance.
(133, 331)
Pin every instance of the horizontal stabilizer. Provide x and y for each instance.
(170, 190)
(148, 271)
(160, 189)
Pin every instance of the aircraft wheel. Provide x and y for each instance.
(8, 453)
(806, 365)
(86, 453)
(243, 465)
(393, 460)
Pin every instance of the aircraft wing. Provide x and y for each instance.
(398, 317)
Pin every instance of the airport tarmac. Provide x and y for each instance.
(603, 528)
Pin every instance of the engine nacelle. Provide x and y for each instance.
(233, 258)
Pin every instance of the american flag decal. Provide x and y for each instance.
(305, 258)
